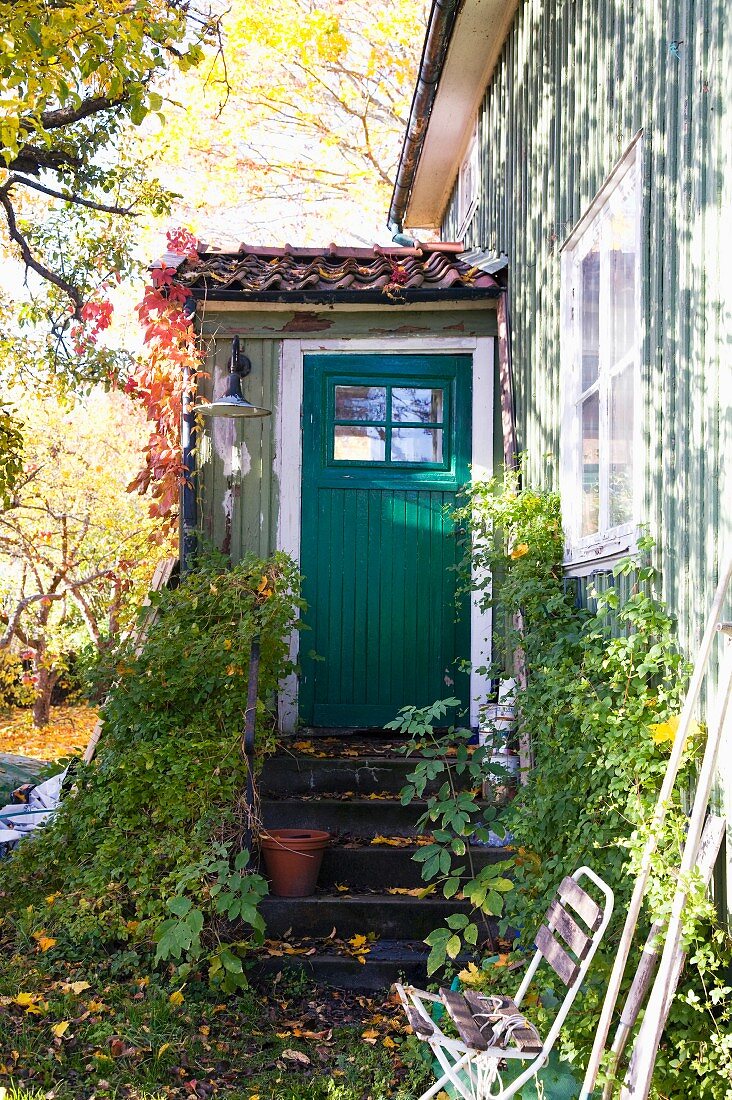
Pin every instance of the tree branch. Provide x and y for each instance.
(30, 260)
(94, 105)
(68, 590)
(77, 199)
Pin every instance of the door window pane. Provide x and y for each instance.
(590, 464)
(621, 448)
(590, 315)
(354, 444)
(416, 445)
(360, 402)
(416, 405)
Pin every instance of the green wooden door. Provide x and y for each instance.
(386, 445)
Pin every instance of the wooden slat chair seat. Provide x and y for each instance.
(493, 1030)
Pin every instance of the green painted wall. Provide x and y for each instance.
(237, 489)
(576, 81)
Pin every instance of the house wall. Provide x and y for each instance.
(576, 82)
(238, 494)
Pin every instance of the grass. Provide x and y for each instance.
(72, 1033)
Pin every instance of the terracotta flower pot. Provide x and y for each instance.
(292, 858)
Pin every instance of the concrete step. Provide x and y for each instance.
(389, 916)
(375, 866)
(387, 962)
(358, 817)
(292, 773)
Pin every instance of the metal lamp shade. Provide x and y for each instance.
(232, 403)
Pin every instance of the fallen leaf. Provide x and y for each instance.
(295, 1056)
(44, 941)
(60, 1028)
(176, 998)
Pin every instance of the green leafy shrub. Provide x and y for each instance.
(153, 831)
(604, 684)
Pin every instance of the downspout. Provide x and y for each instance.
(188, 502)
(439, 31)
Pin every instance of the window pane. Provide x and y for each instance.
(621, 245)
(416, 405)
(360, 402)
(416, 445)
(590, 315)
(591, 464)
(621, 448)
(353, 444)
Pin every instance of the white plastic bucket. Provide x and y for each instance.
(498, 722)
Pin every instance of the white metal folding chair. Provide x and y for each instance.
(493, 1030)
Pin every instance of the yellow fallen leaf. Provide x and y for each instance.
(60, 1028)
(520, 550)
(176, 998)
(25, 999)
(45, 943)
(96, 1006)
(389, 1043)
(163, 1048)
(370, 1035)
(471, 975)
(78, 987)
(358, 941)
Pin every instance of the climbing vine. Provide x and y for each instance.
(605, 685)
(163, 377)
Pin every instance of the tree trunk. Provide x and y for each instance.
(45, 683)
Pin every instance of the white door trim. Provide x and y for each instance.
(288, 468)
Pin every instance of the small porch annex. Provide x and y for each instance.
(379, 367)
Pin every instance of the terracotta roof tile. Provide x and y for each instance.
(393, 274)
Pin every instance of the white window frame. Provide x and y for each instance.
(468, 184)
(609, 543)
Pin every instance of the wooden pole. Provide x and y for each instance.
(710, 845)
(139, 633)
(664, 796)
(640, 1071)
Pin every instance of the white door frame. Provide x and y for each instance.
(288, 470)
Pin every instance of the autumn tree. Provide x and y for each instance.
(318, 100)
(75, 549)
(78, 77)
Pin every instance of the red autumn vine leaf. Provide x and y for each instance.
(172, 355)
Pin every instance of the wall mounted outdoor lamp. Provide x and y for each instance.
(233, 403)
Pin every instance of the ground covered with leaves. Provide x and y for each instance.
(71, 1032)
(67, 732)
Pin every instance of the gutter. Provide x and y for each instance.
(439, 32)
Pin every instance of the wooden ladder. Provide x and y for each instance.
(138, 634)
(640, 1071)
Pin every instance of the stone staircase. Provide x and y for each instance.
(351, 789)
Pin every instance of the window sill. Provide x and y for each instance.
(599, 556)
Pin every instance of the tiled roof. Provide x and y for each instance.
(426, 272)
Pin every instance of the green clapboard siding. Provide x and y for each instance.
(576, 81)
(378, 551)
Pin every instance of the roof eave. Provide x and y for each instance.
(441, 123)
(398, 297)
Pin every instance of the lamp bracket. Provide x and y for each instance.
(240, 364)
